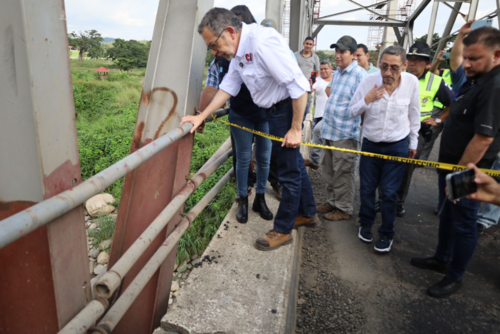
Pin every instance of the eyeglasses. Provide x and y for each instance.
(394, 68)
(215, 43)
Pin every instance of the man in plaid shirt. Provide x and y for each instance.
(341, 130)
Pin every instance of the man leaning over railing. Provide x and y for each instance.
(262, 61)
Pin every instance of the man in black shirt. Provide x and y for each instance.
(471, 135)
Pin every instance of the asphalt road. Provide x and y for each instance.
(347, 288)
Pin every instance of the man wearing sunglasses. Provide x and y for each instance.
(389, 101)
(263, 62)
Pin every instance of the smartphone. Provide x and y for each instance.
(481, 23)
(446, 55)
(313, 76)
(461, 184)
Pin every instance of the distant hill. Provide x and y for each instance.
(108, 40)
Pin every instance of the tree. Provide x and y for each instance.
(435, 40)
(125, 64)
(322, 55)
(87, 41)
(210, 58)
(132, 50)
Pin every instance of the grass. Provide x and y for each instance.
(105, 231)
(106, 113)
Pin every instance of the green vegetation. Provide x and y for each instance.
(106, 113)
(106, 229)
(88, 42)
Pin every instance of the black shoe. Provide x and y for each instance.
(365, 233)
(400, 211)
(480, 229)
(436, 211)
(383, 244)
(260, 206)
(444, 288)
(242, 214)
(377, 206)
(430, 263)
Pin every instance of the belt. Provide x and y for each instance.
(286, 101)
(385, 142)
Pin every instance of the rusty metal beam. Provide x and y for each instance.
(111, 280)
(45, 274)
(172, 88)
(34, 217)
(122, 305)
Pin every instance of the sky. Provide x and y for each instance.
(134, 19)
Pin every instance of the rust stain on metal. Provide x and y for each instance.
(62, 178)
(138, 135)
(145, 96)
(172, 109)
(8, 209)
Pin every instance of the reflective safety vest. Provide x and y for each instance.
(447, 77)
(429, 87)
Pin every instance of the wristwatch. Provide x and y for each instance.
(438, 120)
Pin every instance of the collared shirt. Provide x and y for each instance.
(307, 64)
(264, 63)
(213, 75)
(392, 117)
(321, 97)
(474, 111)
(338, 124)
(372, 69)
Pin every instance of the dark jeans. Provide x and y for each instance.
(273, 168)
(316, 121)
(385, 174)
(457, 232)
(410, 168)
(243, 144)
(297, 196)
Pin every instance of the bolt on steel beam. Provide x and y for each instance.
(111, 280)
(26, 221)
(120, 307)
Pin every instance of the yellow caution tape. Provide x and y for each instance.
(423, 163)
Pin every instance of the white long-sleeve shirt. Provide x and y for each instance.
(392, 117)
(265, 64)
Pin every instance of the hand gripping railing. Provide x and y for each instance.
(26, 221)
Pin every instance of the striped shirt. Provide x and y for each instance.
(337, 121)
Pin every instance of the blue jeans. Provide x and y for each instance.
(297, 196)
(386, 174)
(491, 213)
(243, 141)
(457, 232)
(316, 152)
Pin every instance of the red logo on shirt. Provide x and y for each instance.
(249, 57)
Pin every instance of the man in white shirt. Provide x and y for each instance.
(262, 60)
(390, 103)
(320, 88)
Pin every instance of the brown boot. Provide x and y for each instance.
(307, 222)
(309, 164)
(325, 208)
(337, 215)
(273, 240)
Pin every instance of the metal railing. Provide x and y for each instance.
(26, 221)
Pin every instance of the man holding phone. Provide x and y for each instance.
(471, 135)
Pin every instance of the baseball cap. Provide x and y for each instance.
(269, 23)
(420, 49)
(346, 43)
